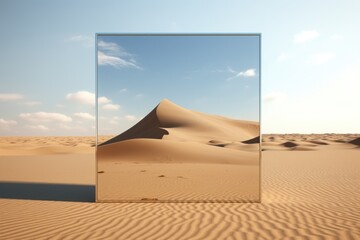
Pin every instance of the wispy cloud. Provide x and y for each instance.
(124, 90)
(112, 54)
(110, 106)
(112, 48)
(321, 58)
(10, 96)
(230, 70)
(84, 116)
(86, 41)
(114, 61)
(6, 124)
(305, 36)
(247, 73)
(38, 127)
(45, 117)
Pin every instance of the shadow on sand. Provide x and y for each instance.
(47, 191)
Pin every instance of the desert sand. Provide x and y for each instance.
(178, 155)
(306, 194)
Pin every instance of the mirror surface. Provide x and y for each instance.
(178, 118)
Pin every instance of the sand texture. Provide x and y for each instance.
(175, 154)
(305, 195)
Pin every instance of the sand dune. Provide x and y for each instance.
(309, 142)
(169, 142)
(25, 146)
(169, 121)
(305, 195)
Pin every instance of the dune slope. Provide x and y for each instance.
(169, 121)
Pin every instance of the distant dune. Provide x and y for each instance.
(309, 142)
(171, 142)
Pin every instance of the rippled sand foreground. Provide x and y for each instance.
(309, 194)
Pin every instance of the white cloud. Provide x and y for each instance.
(87, 41)
(130, 118)
(274, 97)
(114, 55)
(305, 36)
(103, 100)
(86, 97)
(85, 116)
(110, 106)
(321, 58)
(38, 127)
(45, 117)
(10, 96)
(32, 103)
(123, 90)
(247, 73)
(82, 97)
(6, 124)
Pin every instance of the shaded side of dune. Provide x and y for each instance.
(252, 140)
(356, 142)
(148, 127)
(289, 144)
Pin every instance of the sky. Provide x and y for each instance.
(310, 59)
(212, 74)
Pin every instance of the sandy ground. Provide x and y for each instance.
(176, 154)
(306, 194)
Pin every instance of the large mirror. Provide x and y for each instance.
(178, 118)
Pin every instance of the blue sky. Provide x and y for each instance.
(212, 74)
(310, 58)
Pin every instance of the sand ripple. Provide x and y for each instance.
(60, 220)
(306, 195)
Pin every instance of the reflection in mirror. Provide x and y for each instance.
(178, 118)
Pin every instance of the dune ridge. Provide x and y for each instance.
(169, 121)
